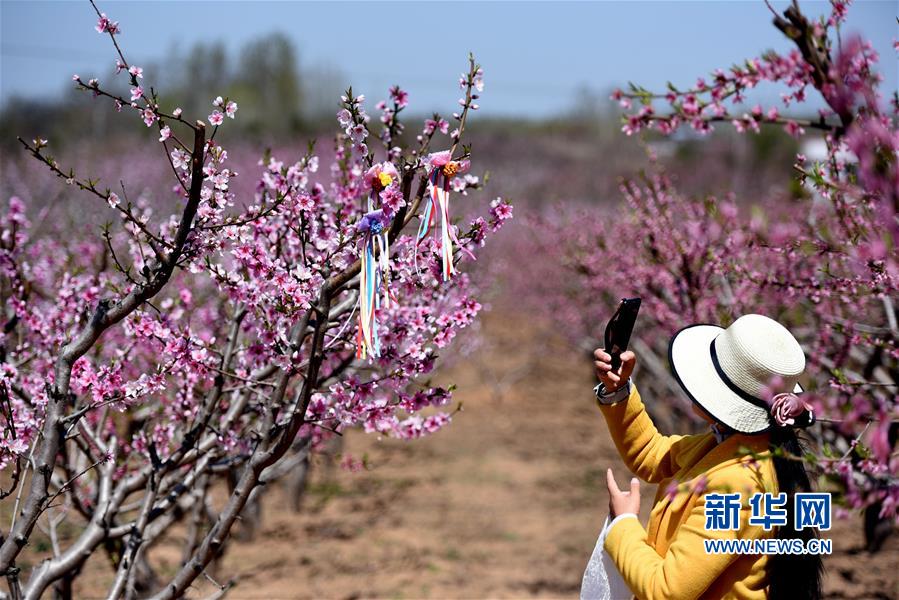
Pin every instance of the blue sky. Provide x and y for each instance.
(536, 54)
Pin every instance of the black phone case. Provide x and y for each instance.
(619, 328)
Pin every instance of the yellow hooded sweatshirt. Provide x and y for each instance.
(669, 560)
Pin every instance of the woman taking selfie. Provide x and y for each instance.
(727, 374)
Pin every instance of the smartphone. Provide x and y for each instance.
(619, 328)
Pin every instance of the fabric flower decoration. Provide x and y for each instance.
(441, 169)
(381, 176)
(787, 407)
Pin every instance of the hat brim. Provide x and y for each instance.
(692, 366)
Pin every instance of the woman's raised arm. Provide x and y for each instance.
(645, 451)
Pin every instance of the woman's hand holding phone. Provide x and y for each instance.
(610, 379)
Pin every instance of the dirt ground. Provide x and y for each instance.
(505, 503)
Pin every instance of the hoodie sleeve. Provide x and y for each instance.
(646, 452)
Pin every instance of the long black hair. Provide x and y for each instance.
(792, 576)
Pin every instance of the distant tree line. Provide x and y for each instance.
(276, 95)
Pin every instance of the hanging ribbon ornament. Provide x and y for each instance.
(374, 275)
(372, 281)
(441, 168)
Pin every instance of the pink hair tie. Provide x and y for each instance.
(786, 407)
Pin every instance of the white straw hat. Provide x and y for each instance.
(726, 371)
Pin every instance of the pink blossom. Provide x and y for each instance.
(104, 25)
(392, 199)
(306, 203)
(400, 97)
(690, 105)
(479, 80)
(357, 132)
(432, 125)
(501, 211)
(180, 159)
(793, 128)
